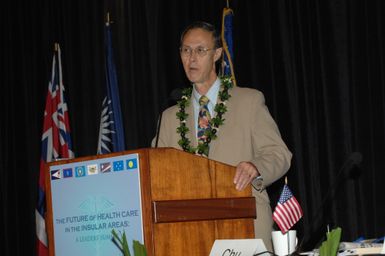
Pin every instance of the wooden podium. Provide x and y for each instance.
(187, 202)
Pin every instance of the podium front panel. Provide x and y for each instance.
(89, 199)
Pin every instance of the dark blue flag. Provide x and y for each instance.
(111, 133)
(227, 40)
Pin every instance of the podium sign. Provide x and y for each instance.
(89, 199)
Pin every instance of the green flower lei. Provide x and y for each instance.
(219, 109)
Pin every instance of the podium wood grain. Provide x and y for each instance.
(181, 176)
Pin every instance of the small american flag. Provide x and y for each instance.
(288, 211)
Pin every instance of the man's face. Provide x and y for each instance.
(199, 68)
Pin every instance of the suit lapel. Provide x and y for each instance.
(227, 116)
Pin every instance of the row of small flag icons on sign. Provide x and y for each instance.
(92, 169)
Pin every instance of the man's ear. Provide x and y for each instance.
(218, 54)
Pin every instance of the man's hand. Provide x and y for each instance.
(244, 174)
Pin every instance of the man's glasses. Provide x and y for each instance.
(186, 51)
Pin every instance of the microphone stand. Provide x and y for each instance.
(158, 129)
(354, 159)
(175, 95)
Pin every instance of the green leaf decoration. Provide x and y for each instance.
(139, 249)
(126, 250)
(220, 109)
(330, 246)
(121, 242)
(182, 129)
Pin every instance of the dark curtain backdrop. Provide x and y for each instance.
(320, 64)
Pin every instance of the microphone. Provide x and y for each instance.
(346, 171)
(174, 96)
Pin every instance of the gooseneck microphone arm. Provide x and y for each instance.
(175, 95)
(309, 241)
(158, 128)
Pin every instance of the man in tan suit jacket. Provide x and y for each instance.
(249, 138)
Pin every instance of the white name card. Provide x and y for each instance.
(237, 247)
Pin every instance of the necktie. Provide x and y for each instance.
(203, 119)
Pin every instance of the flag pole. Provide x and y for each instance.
(288, 232)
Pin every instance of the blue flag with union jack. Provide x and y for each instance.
(111, 132)
(55, 142)
(227, 41)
